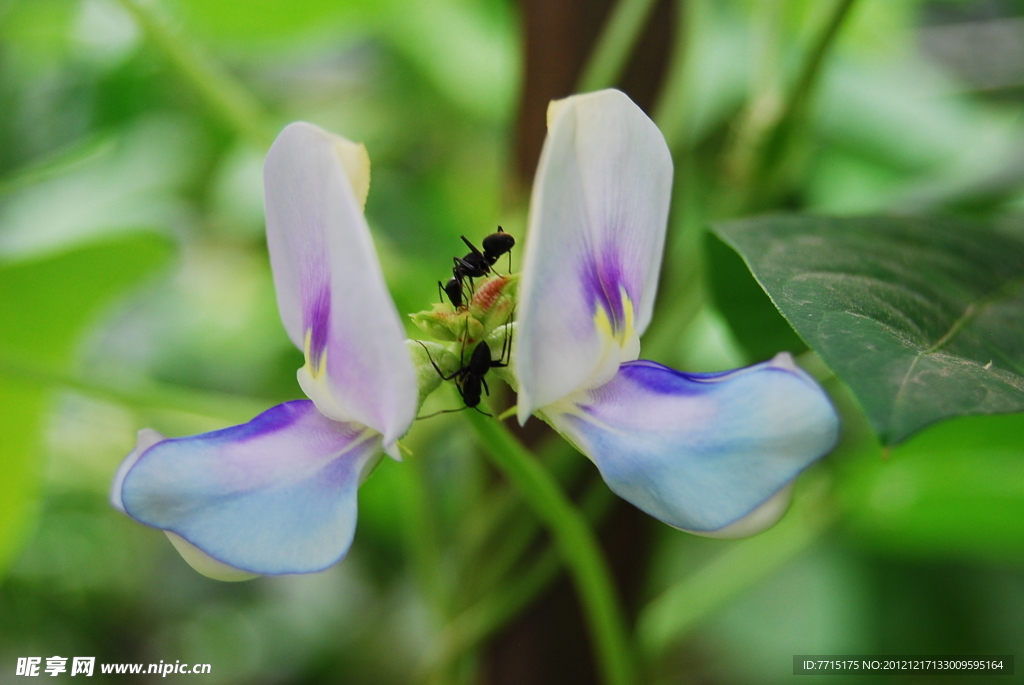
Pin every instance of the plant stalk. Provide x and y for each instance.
(575, 541)
(615, 44)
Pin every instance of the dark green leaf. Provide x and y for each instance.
(922, 318)
(755, 321)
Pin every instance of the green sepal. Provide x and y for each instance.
(502, 338)
(438, 322)
(491, 306)
(493, 303)
(428, 378)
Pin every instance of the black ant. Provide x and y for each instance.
(477, 264)
(469, 379)
(473, 265)
(497, 244)
(453, 289)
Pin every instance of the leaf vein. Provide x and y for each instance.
(971, 312)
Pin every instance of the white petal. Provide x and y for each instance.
(593, 247)
(203, 563)
(146, 438)
(330, 290)
(764, 517)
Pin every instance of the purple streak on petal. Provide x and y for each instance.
(330, 289)
(603, 280)
(700, 451)
(271, 496)
(317, 320)
(605, 273)
(663, 380)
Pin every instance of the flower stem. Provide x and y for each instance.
(615, 44)
(772, 154)
(497, 538)
(575, 541)
(566, 466)
(812, 67)
(420, 530)
(510, 593)
(227, 98)
(671, 107)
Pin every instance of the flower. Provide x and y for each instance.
(708, 453)
(278, 494)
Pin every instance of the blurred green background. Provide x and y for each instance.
(135, 291)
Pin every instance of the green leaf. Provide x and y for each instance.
(44, 306)
(922, 318)
(755, 321)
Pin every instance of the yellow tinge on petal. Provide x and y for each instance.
(618, 343)
(626, 334)
(314, 367)
(314, 382)
(356, 162)
(554, 107)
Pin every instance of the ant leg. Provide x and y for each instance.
(471, 246)
(462, 395)
(511, 335)
(481, 411)
(462, 350)
(486, 389)
(506, 345)
(436, 367)
(441, 411)
(502, 361)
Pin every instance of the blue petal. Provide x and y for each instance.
(275, 495)
(701, 451)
